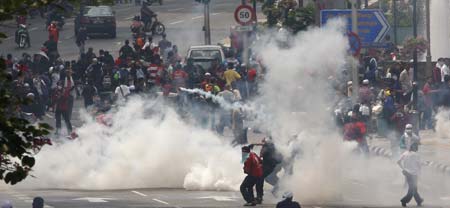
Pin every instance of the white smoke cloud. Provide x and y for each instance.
(442, 123)
(142, 149)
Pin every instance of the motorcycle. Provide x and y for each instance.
(150, 2)
(157, 28)
(22, 37)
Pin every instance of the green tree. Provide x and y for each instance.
(286, 14)
(19, 139)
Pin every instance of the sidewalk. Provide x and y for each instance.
(435, 152)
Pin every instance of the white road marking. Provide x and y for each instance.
(33, 29)
(220, 198)
(214, 14)
(162, 202)
(172, 23)
(118, 43)
(197, 17)
(173, 10)
(129, 18)
(138, 193)
(9, 38)
(93, 199)
(446, 198)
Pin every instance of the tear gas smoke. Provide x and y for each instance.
(217, 99)
(442, 123)
(149, 146)
(298, 90)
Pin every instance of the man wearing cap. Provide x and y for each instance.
(410, 164)
(253, 169)
(365, 94)
(408, 138)
(287, 201)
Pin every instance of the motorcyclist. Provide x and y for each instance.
(147, 14)
(22, 29)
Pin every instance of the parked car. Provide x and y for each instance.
(97, 20)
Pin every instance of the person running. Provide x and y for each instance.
(253, 169)
(409, 162)
(287, 201)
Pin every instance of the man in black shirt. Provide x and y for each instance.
(126, 50)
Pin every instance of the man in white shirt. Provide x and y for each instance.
(410, 163)
(444, 68)
(122, 92)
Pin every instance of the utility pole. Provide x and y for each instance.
(207, 25)
(428, 64)
(355, 73)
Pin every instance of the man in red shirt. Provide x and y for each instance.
(355, 130)
(53, 32)
(179, 77)
(154, 72)
(253, 169)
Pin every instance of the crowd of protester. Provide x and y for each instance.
(385, 102)
(141, 67)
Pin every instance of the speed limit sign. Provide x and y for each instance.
(244, 15)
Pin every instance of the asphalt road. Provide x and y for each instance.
(183, 20)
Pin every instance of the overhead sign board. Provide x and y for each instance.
(372, 24)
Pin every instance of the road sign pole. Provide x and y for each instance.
(355, 76)
(207, 24)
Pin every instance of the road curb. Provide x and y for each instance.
(383, 152)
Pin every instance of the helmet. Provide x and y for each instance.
(22, 26)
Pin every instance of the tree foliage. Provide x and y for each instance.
(19, 139)
(285, 13)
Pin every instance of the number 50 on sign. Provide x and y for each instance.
(244, 15)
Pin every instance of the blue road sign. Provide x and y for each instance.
(372, 25)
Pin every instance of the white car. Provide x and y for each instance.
(205, 54)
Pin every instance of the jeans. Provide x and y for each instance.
(66, 116)
(247, 188)
(270, 176)
(412, 189)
